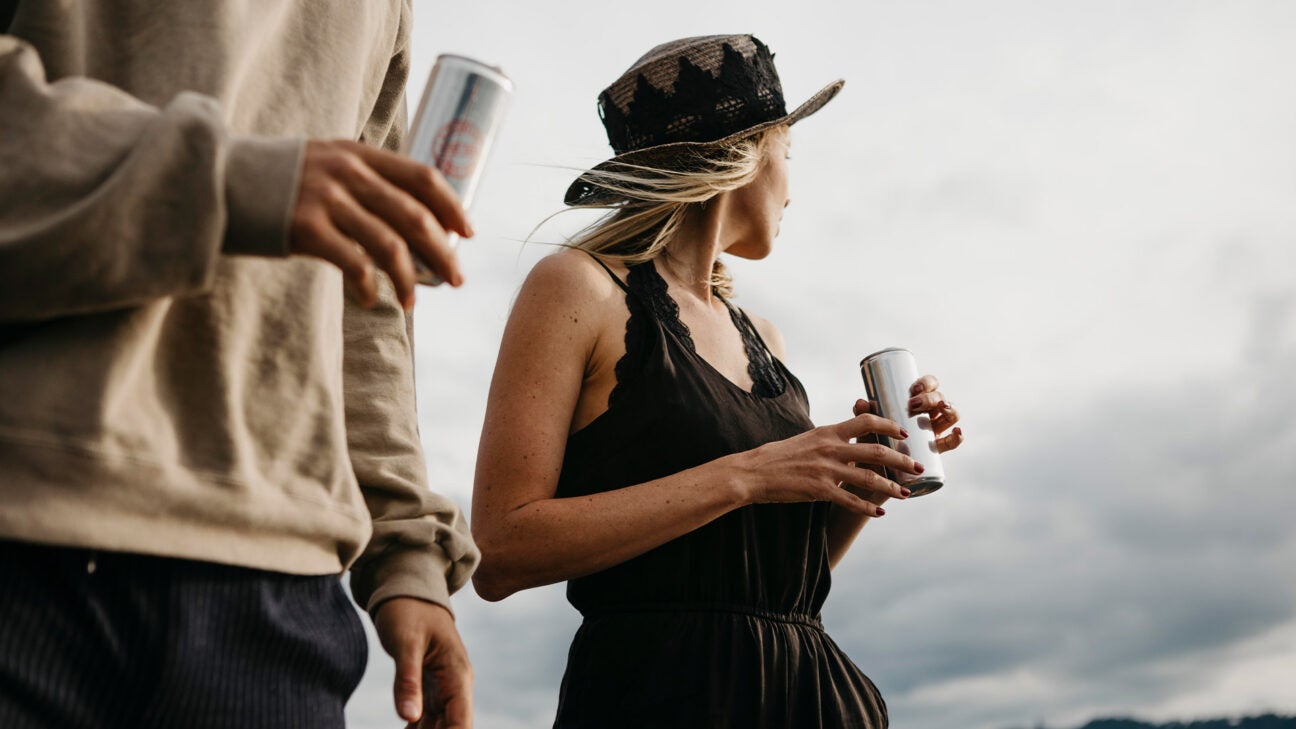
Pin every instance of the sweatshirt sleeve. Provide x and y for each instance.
(109, 202)
(421, 546)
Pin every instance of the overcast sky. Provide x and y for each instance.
(1079, 215)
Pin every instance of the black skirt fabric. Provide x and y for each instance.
(719, 628)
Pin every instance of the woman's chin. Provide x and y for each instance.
(752, 251)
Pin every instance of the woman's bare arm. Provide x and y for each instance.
(530, 538)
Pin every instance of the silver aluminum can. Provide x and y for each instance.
(888, 375)
(455, 125)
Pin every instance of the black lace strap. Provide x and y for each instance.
(767, 381)
(636, 334)
(645, 281)
(610, 272)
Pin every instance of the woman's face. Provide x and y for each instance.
(756, 209)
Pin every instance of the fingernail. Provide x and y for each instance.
(919, 467)
(904, 433)
(915, 388)
(915, 403)
(409, 710)
(944, 405)
(905, 492)
(881, 511)
(958, 431)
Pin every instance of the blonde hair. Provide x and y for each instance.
(651, 202)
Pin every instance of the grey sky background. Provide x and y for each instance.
(1079, 215)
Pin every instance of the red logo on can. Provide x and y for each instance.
(456, 148)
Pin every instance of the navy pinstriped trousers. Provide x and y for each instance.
(95, 640)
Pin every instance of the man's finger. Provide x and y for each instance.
(425, 184)
(454, 694)
(408, 688)
(448, 684)
(424, 233)
(383, 245)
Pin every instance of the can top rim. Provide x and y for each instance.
(479, 65)
(881, 352)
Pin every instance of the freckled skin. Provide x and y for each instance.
(555, 372)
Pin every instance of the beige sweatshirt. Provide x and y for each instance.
(171, 382)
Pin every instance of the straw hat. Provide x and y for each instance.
(689, 98)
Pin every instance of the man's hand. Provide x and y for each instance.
(433, 688)
(358, 206)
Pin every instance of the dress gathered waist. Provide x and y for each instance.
(793, 618)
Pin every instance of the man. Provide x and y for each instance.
(198, 432)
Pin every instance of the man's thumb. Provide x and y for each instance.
(409, 683)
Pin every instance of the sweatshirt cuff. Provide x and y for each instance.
(261, 181)
(417, 573)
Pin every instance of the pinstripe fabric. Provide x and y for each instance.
(105, 640)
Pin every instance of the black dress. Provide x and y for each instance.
(719, 628)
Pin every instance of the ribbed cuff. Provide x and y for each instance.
(417, 573)
(261, 180)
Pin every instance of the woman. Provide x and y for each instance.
(644, 441)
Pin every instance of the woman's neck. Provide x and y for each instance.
(690, 256)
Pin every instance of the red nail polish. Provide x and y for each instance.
(917, 388)
(914, 403)
(905, 492)
(881, 511)
(904, 434)
(919, 467)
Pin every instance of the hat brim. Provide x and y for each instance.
(675, 155)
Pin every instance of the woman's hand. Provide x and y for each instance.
(814, 465)
(928, 399)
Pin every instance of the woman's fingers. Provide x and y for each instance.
(873, 481)
(946, 416)
(876, 454)
(950, 442)
(851, 502)
(926, 402)
(867, 424)
(926, 383)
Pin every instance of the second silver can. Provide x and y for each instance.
(455, 126)
(888, 375)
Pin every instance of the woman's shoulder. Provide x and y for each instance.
(572, 280)
(573, 269)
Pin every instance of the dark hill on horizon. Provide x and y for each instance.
(1264, 721)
